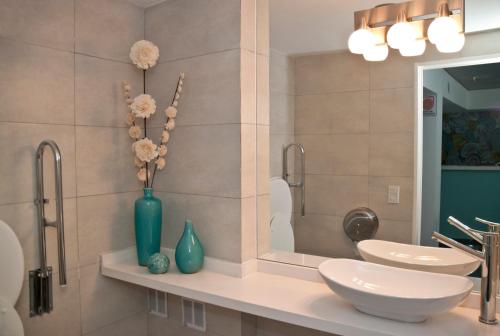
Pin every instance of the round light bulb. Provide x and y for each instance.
(412, 48)
(360, 40)
(400, 33)
(442, 28)
(376, 53)
(452, 44)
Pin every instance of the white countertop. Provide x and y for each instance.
(300, 302)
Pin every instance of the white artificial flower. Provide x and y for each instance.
(162, 151)
(160, 163)
(170, 125)
(134, 132)
(165, 136)
(144, 54)
(143, 106)
(130, 119)
(138, 162)
(171, 112)
(145, 150)
(141, 175)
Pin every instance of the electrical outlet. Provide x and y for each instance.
(193, 314)
(157, 303)
(393, 194)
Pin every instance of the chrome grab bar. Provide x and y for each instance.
(302, 183)
(41, 279)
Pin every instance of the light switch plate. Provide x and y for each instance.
(393, 194)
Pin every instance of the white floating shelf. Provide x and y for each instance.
(306, 303)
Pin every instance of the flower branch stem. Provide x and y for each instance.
(173, 100)
(146, 183)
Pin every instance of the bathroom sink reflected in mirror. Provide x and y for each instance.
(421, 258)
(345, 134)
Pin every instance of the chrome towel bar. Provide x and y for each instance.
(302, 183)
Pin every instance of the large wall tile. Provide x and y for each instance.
(159, 326)
(334, 72)
(105, 300)
(99, 97)
(104, 161)
(392, 110)
(282, 73)
(396, 231)
(267, 327)
(346, 112)
(338, 154)
(215, 148)
(23, 219)
(36, 84)
(223, 321)
(248, 160)
(248, 25)
(48, 23)
(107, 28)
(263, 92)
(64, 320)
(335, 195)
(211, 216)
(282, 114)
(186, 28)
(18, 144)
(398, 72)
(211, 92)
(248, 86)
(135, 325)
(322, 235)
(263, 225)
(105, 223)
(391, 154)
(264, 157)
(378, 198)
(248, 228)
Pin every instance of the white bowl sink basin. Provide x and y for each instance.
(420, 258)
(394, 293)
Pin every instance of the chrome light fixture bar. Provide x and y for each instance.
(407, 26)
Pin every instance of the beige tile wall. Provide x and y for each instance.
(210, 174)
(358, 136)
(61, 66)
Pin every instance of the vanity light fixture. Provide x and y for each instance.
(401, 33)
(445, 33)
(376, 53)
(402, 26)
(362, 39)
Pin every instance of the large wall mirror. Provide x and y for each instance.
(401, 144)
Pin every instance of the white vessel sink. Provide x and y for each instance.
(394, 293)
(421, 258)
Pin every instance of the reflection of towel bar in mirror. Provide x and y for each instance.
(302, 183)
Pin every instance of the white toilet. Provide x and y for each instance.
(11, 281)
(282, 237)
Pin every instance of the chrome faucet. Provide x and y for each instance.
(489, 257)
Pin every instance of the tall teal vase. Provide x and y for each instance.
(148, 219)
(189, 253)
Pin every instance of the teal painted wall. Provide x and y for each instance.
(466, 194)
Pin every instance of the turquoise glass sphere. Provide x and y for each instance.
(158, 263)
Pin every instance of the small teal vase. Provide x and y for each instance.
(148, 219)
(189, 252)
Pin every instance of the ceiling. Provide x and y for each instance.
(309, 26)
(477, 77)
